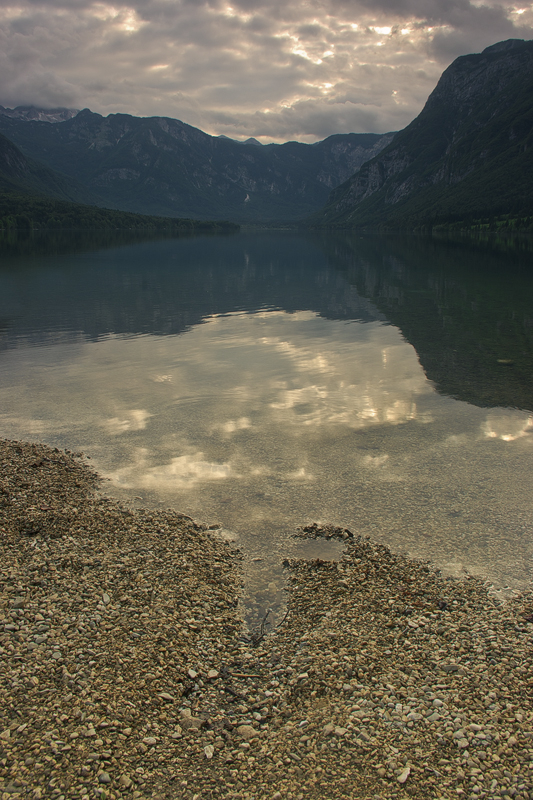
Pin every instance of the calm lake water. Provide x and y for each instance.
(267, 380)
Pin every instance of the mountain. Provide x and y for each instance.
(162, 166)
(33, 196)
(251, 140)
(467, 157)
(26, 176)
(42, 114)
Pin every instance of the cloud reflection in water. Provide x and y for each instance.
(266, 420)
(182, 473)
(507, 426)
(135, 419)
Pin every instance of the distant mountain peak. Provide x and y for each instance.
(251, 140)
(33, 113)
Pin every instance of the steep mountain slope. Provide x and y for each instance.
(468, 155)
(162, 166)
(26, 176)
(33, 196)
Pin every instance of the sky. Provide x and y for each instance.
(276, 70)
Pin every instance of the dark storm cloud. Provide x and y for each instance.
(299, 69)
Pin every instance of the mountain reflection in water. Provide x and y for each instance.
(465, 305)
(257, 381)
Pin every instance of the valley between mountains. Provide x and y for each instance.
(464, 162)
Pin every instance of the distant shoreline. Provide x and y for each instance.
(29, 212)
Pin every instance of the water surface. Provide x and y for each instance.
(264, 381)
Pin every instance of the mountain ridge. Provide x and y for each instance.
(33, 196)
(468, 153)
(465, 161)
(41, 114)
(162, 166)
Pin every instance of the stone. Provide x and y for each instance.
(402, 777)
(188, 722)
(246, 731)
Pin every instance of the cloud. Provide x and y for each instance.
(273, 70)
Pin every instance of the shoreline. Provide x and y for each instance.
(124, 673)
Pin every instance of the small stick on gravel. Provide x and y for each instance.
(258, 637)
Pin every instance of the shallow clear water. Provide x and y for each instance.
(248, 381)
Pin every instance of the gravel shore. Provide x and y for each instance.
(125, 673)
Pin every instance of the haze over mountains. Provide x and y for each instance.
(468, 155)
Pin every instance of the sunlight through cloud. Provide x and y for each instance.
(245, 69)
(125, 19)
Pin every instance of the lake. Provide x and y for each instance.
(270, 379)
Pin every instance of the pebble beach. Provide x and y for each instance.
(126, 672)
